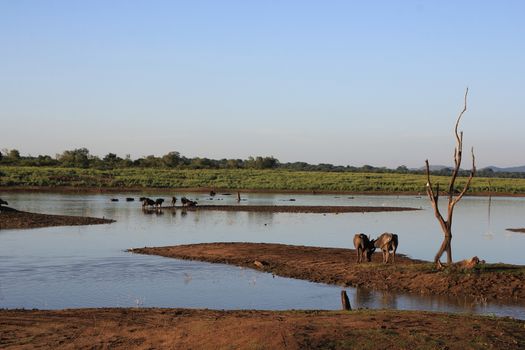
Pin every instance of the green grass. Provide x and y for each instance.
(242, 179)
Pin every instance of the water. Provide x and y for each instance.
(86, 266)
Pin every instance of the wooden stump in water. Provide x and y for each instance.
(345, 301)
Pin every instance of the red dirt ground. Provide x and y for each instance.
(337, 266)
(248, 329)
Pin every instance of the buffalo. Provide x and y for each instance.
(363, 245)
(387, 242)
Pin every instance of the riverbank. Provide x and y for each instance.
(337, 266)
(232, 191)
(140, 328)
(517, 230)
(14, 219)
(305, 209)
(244, 180)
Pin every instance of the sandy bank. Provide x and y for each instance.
(14, 219)
(316, 209)
(337, 266)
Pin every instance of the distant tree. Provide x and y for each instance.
(453, 198)
(44, 160)
(75, 158)
(171, 160)
(111, 160)
(149, 162)
(402, 169)
(268, 162)
(234, 163)
(13, 155)
(127, 162)
(261, 163)
(200, 163)
(299, 165)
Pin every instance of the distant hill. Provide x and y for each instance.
(514, 169)
(438, 167)
(434, 168)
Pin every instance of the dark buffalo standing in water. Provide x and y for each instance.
(187, 202)
(158, 202)
(363, 245)
(146, 202)
(387, 242)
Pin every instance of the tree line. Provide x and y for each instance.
(81, 158)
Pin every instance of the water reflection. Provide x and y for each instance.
(363, 297)
(260, 218)
(86, 266)
(369, 299)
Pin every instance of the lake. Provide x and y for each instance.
(87, 266)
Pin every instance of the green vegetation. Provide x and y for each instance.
(81, 158)
(78, 168)
(247, 179)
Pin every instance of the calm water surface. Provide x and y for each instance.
(86, 266)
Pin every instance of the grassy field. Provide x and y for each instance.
(242, 179)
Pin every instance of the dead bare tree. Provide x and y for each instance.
(453, 198)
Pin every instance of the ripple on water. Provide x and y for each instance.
(66, 267)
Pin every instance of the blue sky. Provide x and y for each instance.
(343, 82)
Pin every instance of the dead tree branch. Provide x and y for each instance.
(446, 225)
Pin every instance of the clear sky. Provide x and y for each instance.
(343, 82)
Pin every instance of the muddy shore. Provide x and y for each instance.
(337, 266)
(14, 219)
(139, 328)
(316, 209)
(517, 230)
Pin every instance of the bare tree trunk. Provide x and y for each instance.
(446, 246)
(446, 224)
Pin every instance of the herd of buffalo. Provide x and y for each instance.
(147, 202)
(364, 245)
